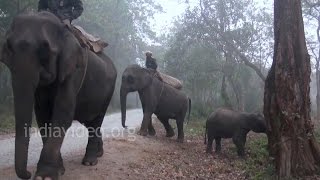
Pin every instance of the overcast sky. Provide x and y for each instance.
(174, 8)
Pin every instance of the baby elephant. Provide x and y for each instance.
(226, 123)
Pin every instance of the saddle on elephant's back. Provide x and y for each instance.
(94, 43)
(174, 82)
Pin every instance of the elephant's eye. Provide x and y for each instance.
(130, 79)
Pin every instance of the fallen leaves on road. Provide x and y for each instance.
(188, 161)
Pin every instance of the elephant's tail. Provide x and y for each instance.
(189, 110)
(205, 134)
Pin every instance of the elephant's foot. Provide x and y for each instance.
(93, 151)
(152, 132)
(170, 133)
(143, 132)
(100, 152)
(62, 170)
(45, 172)
(100, 149)
(91, 157)
(24, 175)
(209, 149)
(241, 154)
(90, 160)
(180, 140)
(217, 152)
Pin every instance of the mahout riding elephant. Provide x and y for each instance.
(157, 98)
(225, 123)
(53, 74)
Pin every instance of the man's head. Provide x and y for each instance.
(149, 54)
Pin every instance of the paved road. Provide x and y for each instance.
(76, 138)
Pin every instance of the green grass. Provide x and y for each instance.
(196, 127)
(7, 122)
(257, 165)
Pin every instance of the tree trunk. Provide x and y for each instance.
(318, 72)
(287, 100)
(224, 93)
(318, 88)
(237, 89)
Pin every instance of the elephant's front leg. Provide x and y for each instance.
(43, 115)
(145, 124)
(95, 144)
(239, 140)
(63, 111)
(50, 163)
(44, 129)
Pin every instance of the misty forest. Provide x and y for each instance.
(248, 108)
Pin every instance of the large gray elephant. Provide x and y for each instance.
(225, 123)
(62, 81)
(156, 98)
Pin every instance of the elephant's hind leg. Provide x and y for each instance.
(95, 144)
(180, 130)
(167, 126)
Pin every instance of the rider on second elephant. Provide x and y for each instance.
(67, 11)
(151, 63)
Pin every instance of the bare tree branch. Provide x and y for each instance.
(232, 46)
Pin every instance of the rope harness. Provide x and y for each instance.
(86, 57)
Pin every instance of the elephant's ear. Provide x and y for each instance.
(147, 78)
(72, 58)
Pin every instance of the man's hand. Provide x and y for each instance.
(67, 23)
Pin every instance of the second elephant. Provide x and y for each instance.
(225, 123)
(156, 98)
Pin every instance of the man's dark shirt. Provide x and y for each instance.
(151, 63)
(64, 9)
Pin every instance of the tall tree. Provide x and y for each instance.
(287, 100)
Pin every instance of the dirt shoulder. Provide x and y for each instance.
(152, 158)
(159, 157)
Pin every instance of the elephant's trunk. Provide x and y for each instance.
(123, 101)
(23, 105)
